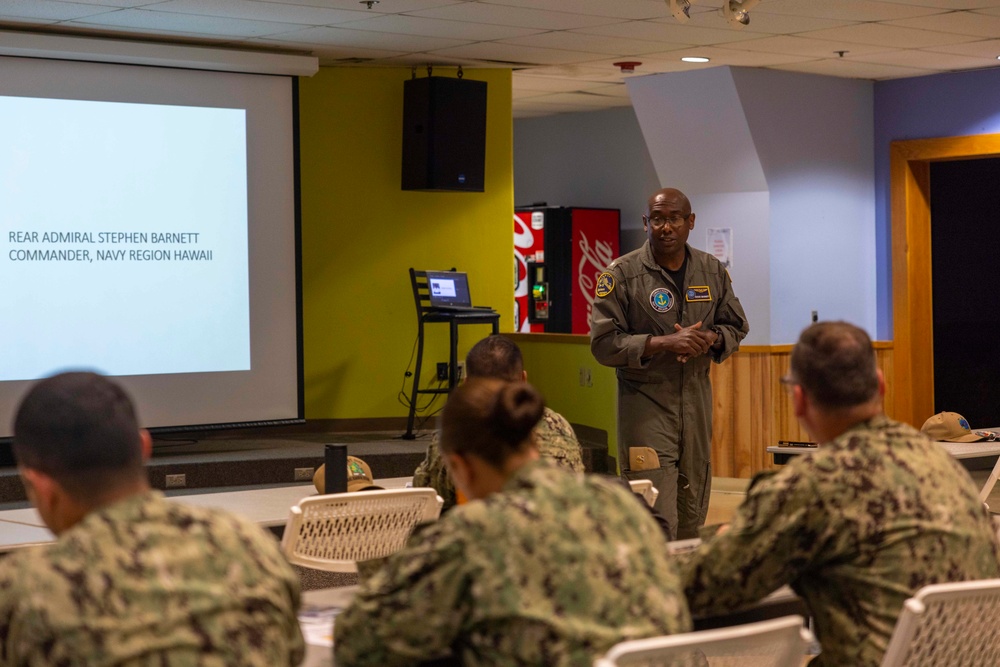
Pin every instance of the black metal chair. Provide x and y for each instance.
(427, 315)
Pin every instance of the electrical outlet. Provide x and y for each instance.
(176, 481)
(585, 378)
(442, 371)
(304, 474)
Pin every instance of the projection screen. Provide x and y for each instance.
(148, 230)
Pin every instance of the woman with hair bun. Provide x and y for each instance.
(541, 567)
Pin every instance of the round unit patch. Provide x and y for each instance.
(661, 299)
(605, 285)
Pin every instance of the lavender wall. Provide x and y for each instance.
(942, 105)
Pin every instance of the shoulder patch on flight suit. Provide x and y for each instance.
(699, 293)
(661, 299)
(605, 285)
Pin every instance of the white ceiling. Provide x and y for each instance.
(562, 51)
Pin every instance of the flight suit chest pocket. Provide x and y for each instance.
(660, 307)
(699, 303)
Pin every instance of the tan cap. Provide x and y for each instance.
(359, 476)
(951, 427)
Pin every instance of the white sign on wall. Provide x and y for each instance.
(720, 245)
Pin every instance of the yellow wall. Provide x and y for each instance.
(553, 364)
(361, 233)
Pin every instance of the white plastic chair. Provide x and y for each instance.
(335, 531)
(645, 488)
(780, 642)
(948, 624)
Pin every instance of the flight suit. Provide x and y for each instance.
(665, 404)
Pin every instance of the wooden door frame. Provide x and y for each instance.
(912, 290)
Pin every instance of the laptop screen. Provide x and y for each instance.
(448, 288)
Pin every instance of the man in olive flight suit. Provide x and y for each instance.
(661, 315)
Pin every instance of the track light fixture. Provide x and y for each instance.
(737, 12)
(681, 9)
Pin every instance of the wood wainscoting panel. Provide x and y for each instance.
(751, 409)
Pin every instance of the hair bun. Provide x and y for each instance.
(519, 406)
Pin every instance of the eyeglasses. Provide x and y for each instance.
(659, 221)
(788, 382)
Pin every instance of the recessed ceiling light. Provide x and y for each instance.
(695, 59)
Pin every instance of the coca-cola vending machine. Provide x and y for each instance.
(558, 254)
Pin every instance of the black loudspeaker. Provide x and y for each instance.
(444, 134)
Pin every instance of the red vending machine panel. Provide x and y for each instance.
(559, 253)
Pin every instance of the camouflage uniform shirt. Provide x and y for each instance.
(147, 581)
(855, 528)
(552, 570)
(554, 438)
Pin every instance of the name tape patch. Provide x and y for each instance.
(699, 293)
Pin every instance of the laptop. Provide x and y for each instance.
(449, 292)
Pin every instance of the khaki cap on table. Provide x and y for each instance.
(952, 427)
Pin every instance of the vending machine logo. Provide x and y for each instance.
(593, 259)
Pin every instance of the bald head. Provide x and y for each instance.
(669, 196)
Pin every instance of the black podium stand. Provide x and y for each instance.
(427, 315)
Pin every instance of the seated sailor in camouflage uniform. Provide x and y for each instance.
(499, 357)
(132, 579)
(542, 567)
(876, 512)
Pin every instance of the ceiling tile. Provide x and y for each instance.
(327, 53)
(674, 33)
(961, 23)
(989, 48)
(732, 56)
(366, 39)
(584, 100)
(761, 21)
(949, 4)
(418, 25)
(919, 59)
(104, 4)
(186, 23)
(579, 72)
(853, 69)
(510, 53)
(516, 16)
(621, 9)
(880, 34)
(802, 46)
(382, 7)
(592, 43)
(614, 90)
(844, 10)
(260, 11)
(564, 50)
(528, 83)
(49, 11)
